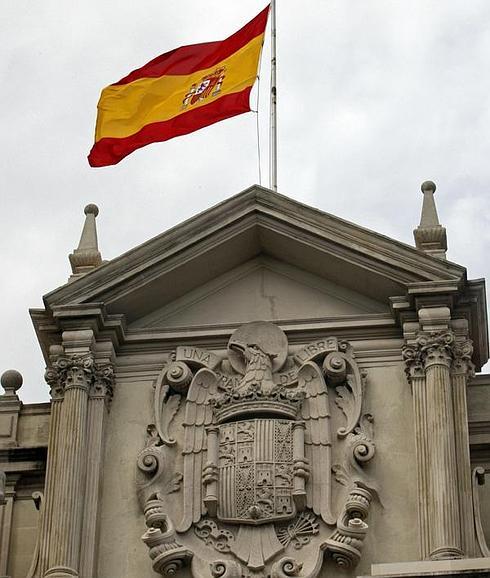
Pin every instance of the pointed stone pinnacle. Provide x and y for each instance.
(87, 256)
(430, 236)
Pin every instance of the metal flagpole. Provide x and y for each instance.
(273, 104)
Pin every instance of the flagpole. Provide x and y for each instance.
(273, 103)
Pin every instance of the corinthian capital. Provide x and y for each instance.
(65, 373)
(103, 383)
(428, 349)
(462, 353)
(53, 379)
(414, 366)
(436, 347)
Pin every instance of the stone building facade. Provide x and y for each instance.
(263, 390)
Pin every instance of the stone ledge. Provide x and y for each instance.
(476, 566)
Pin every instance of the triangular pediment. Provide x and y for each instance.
(262, 288)
(257, 222)
(344, 270)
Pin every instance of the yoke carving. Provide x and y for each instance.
(240, 458)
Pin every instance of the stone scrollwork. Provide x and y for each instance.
(251, 432)
(166, 554)
(179, 376)
(358, 451)
(345, 544)
(286, 568)
(225, 569)
(151, 463)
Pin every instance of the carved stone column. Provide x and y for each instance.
(443, 506)
(416, 376)
(100, 397)
(430, 353)
(438, 359)
(56, 391)
(463, 369)
(70, 375)
(64, 547)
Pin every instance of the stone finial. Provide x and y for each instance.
(11, 381)
(87, 256)
(430, 236)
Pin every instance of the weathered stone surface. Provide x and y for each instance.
(266, 337)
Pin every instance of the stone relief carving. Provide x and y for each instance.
(239, 458)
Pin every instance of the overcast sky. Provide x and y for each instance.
(375, 96)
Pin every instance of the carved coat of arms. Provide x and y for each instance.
(238, 475)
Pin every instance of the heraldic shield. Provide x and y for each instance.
(237, 475)
(256, 471)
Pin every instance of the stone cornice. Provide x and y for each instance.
(49, 325)
(256, 209)
(465, 299)
(259, 221)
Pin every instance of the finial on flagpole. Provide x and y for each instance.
(86, 256)
(430, 236)
(273, 103)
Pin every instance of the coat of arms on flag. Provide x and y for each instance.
(209, 85)
(177, 93)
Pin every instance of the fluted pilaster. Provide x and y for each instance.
(50, 485)
(443, 495)
(76, 374)
(421, 443)
(462, 370)
(99, 399)
(429, 359)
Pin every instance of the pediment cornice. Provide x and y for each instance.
(261, 222)
(257, 220)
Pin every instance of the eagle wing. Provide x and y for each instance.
(318, 440)
(198, 415)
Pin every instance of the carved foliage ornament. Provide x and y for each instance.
(437, 348)
(80, 371)
(237, 473)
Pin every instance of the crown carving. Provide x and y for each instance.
(234, 404)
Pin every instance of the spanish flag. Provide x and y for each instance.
(177, 93)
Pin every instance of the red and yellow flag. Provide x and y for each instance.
(177, 93)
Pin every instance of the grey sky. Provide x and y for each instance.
(375, 96)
